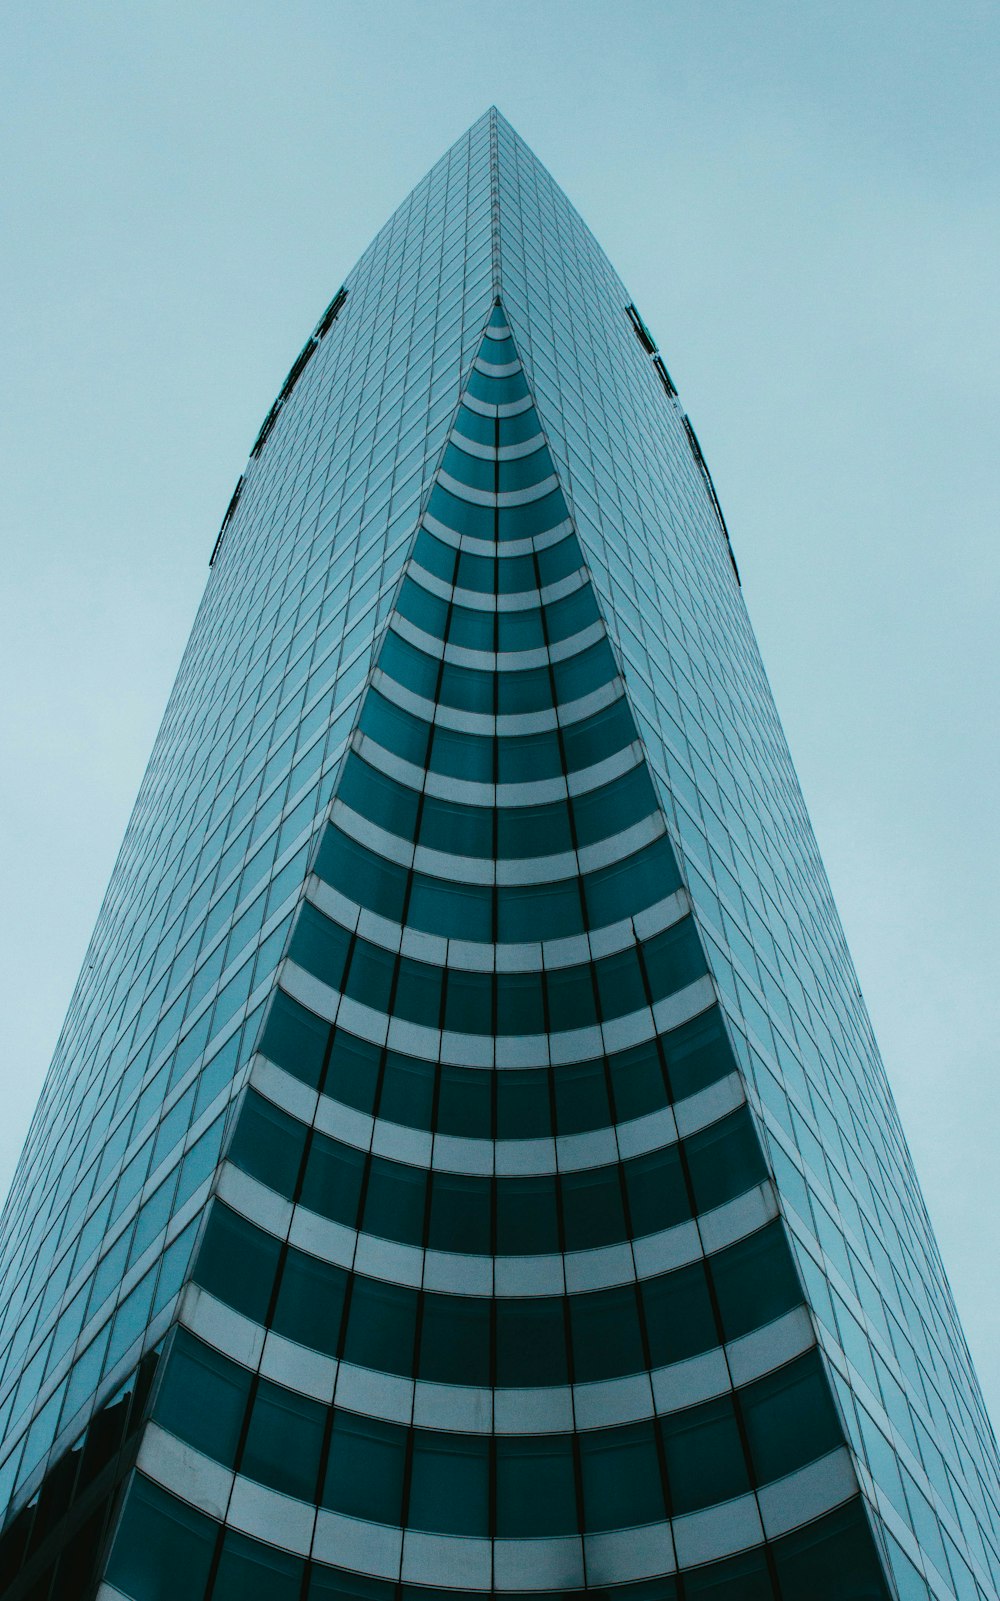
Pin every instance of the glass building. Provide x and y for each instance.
(466, 1163)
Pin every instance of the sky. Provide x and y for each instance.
(803, 201)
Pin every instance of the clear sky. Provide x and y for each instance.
(803, 201)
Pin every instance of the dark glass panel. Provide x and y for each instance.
(396, 1201)
(251, 1571)
(394, 729)
(831, 1559)
(742, 1578)
(679, 1317)
(381, 1323)
(619, 983)
(789, 1418)
(527, 690)
(614, 807)
(364, 1476)
(621, 1478)
(478, 572)
(599, 736)
(571, 997)
(362, 876)
(629, 886)
(520, 630)
(705, 1461)
(310, 1302)
(755, 1281)
(425, 611)
(698, 1054)
(353, 1072)
(468, 689)
(295, 1039)
(476, 472)
(526, 1216)
(537, 517)
(411, 667)
(455, 911)
(284, 1440)
(370, 976)
(528, 759)
(472, 629)
(579, 674)
(656, 1192)
(515, 430)
(637, 1085)
(581, 1097)
(320, 945)
(524, 472)
(455, 1339)
(519, 1003)
(536, 1490)
(465, 1106)
(524, 1109)
(331, 1184)
(531, 1342)
(592, 1208)
(459, 830)
(268, 1144)
(379, 798)
(497, 391)
(569, 616)
(407, 1090)
(449, 1488)
(202, 1398)
(333, 1584)
(516, 576)
(606, 1338)
(534, 831)
(530, 912)
(461, 1214)
(163, 1548)
(724, 1160)
(237, 1262)
(433, 554)
(558, 561)
(469, 1002)
(465, 756)
(418, 992)
(472, 425)
(673, 958)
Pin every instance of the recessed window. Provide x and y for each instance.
(643, 334)
(331, 314)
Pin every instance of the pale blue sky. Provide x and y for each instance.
(803, 201)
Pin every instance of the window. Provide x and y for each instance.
(531, 1342)
(381, 1326)
(284, 1441)
(251, 1571)
(755, 1281)
(536, 1493)
(310, 1302)
(705, 1461)
(621, 1478)
(162, 1547)
(202, 1398)
(268, 1144)
(237, 1262)
(449, 1488)
(364, 1476)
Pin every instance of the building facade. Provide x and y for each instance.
(466, 1163)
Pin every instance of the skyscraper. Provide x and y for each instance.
(466, 1164)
